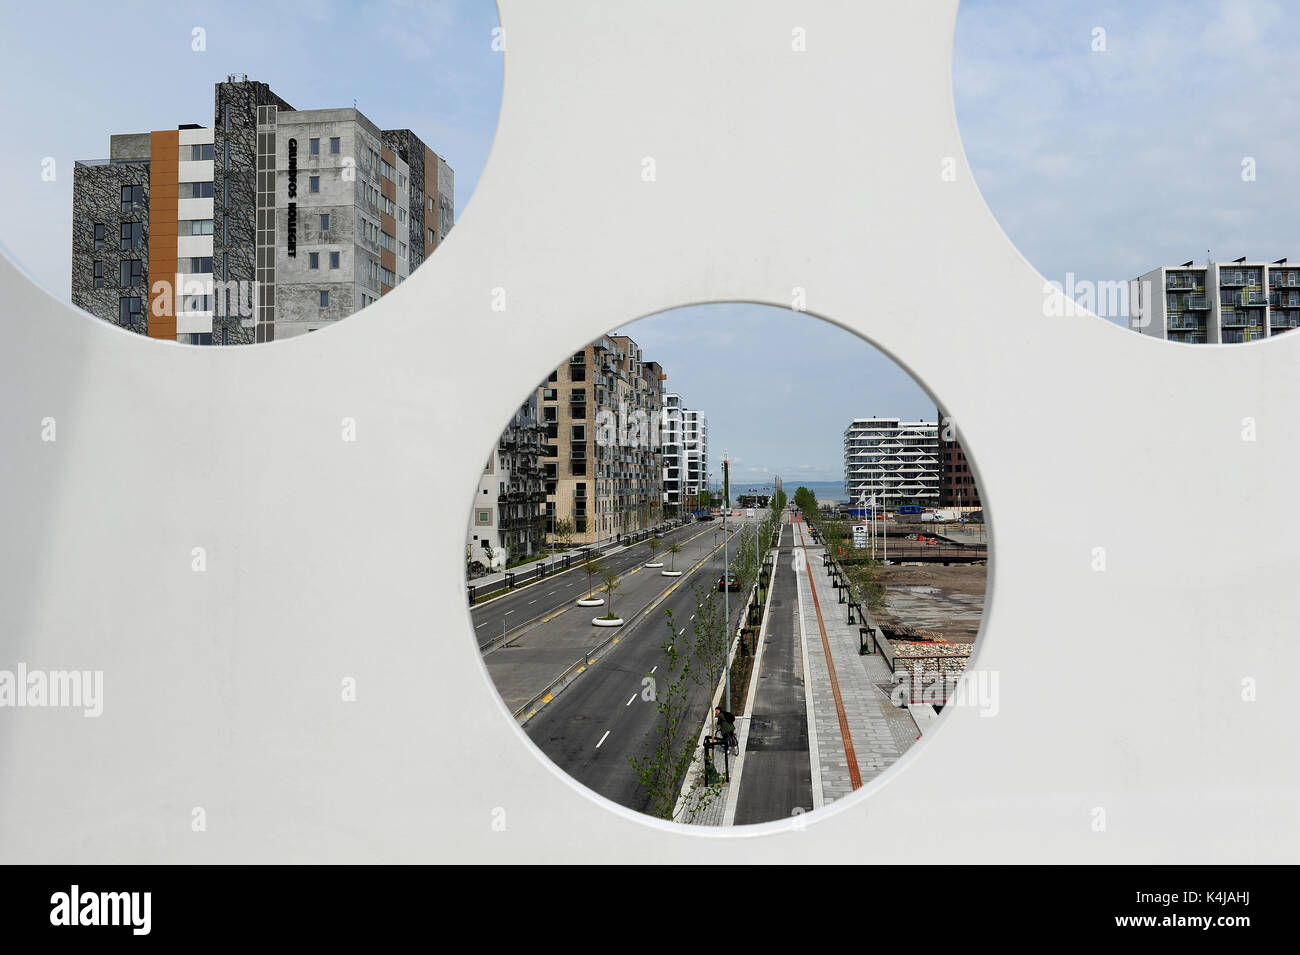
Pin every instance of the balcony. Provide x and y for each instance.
(1183, 281)
(1239, 319)
(1256, 299)
(1197, 303)
(1227, 279)
(1184, 323)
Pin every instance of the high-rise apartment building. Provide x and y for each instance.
(602, 463)
(508, 519)
(685, 452)
(271, 223)
(1218, 303)
(895, 461)
(957, 486)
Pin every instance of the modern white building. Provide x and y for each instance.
(896, 461)
(1218, 303)
(685, 450)
(508, 515)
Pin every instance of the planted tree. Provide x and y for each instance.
(563, 533)
(610, 584)
(654, 547)
(594, 568)
(674, 549)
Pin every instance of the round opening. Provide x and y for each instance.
(727, 564)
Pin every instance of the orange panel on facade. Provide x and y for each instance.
(164, 201)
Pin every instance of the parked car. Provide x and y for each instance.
(733, 585)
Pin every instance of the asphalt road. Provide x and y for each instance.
(590, 728)
(494, 617)
(777, 777)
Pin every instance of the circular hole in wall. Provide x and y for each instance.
(177, 199)
(1137, 155)
(671, 520)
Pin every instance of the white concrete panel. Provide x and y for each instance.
(193, 245)
(330, 560)
(194, 170)
(194, 209)
(188, 137)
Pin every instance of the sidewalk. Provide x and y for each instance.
(878, 732)
(527, 573)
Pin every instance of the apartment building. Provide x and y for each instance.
(603, 461)
(685, 452)
(895, 461)
(1216, 303)
(508, 519)
(271, 223)
(957, 486)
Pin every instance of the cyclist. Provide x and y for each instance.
(726, 722)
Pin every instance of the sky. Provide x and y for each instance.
(1109, 164)
(778, 387)
(73, 73)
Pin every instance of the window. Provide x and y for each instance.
(387, 277)
(388, 242)
(334, 260)
(202, 338)
(132, 273)
(401, 250)
(130, 311)
(325, 222)
(386, 170)
(431, 203)
(401, 214)
(225, 266)
(401, 181)
(99, 274)
(227, 155)
(334, 145)
(203, 151)
(579, 432)
(313, 146)
(197, 264)
(196, 190)
(313, 260)
(132, 198)
(101, 233)
(225, 185)
(431, 242)
(314, 184)
(324, 299)
(196, 303)
(194, 227)
(132, 235)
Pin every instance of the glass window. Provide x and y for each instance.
(314, 184)
(325, 222)
(196, 227)
(101, 233)
(131, 273)
(314, 146)
(334, 145)
(313, 260)
(202, 151)
(324, 298)
(227, 154)
(130, 311)
(197, 190)
(132, 235)
(99, 274)
(334, 260)
(132, 197)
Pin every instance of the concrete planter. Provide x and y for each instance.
(606, 622)
(593, 602)
(672, 573)
(657, 563)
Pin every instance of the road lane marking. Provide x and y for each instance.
(551, 594)
(483, 624)
(531, 602)
(602, 739)
(653, 668)
(630, 699)
(681, 631)
(507, 613)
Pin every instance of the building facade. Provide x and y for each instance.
(271, 223)
(895, 461)
(508, 519)
(685, 453)
(603, 461)
(957, 486)
(1217, 303)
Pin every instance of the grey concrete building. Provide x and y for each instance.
(271, 223)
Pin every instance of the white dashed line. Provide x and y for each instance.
(531, 602)
(681, 631)
(653, 668)
(507, 613)
(602, 739)
(630, 699)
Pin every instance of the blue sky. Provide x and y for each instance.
(1108, 164)
(71, 74)
(778, 387)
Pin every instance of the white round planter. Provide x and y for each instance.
(604, 622)
(672, 573)
(658, 563)
(593, 602)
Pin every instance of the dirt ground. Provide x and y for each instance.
(947, 600)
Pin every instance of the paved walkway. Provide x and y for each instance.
(859, 732)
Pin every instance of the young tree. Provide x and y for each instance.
(610, 584)
(674, 549)
(563, 533)
(593, 567)
(654, 547)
